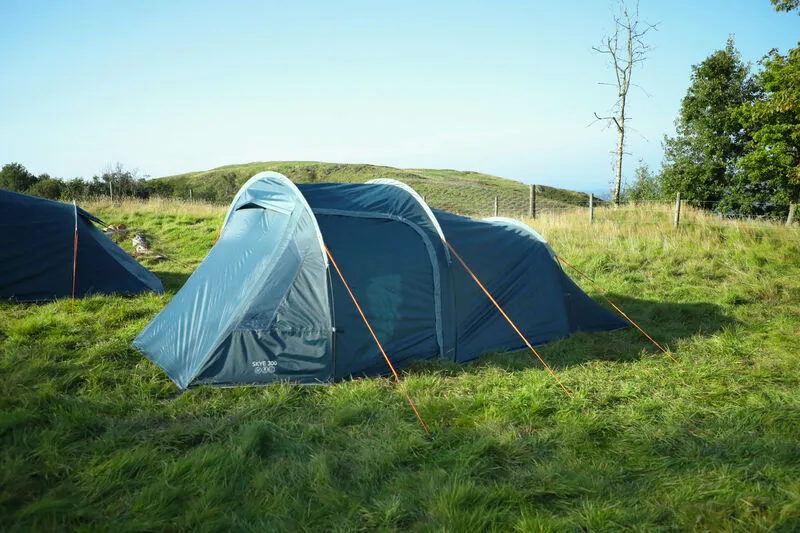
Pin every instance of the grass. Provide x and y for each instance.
(463, 192)
(95, 438)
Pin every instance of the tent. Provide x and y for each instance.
(37, 253)
(265, 305)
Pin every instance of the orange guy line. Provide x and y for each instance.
(74, 255)
(629, 319)
(380, 346)
(539, 357)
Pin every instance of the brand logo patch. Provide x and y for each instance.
(264, 367)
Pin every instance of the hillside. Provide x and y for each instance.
(95, 438)
(463, 192)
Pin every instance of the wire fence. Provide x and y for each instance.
(534, 202)
(528, 205)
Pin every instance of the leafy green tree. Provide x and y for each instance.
(16, 177)
(700, 162)
(47, 187)
(120, 182)
(75, 188)
(785, 5)
(645, 187)
(771, 161)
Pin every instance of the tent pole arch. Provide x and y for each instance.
(425, 207)
(514, 223)
(289, 184)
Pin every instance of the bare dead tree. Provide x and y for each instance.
(626, 47)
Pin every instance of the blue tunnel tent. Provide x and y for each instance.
(37, 248)
(265, 305)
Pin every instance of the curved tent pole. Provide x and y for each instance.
(513, 222)
(420, 200)
(285, 181)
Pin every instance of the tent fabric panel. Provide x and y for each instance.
(389, 271)
(433, 257)
(268, 189)
(379, 198)
(422, 204)
(269, 356)
(285, 333)
(261, 189)
(122, 273)
(388, 199)
(36, 247)
(583, 313)
(518, 272)
(182, 337)
(228, 314)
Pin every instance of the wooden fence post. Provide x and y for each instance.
(532, 202)
(591, 208)
(677, 209)
(790, 218)
(495, 206)
(111, 191)
(191, 196)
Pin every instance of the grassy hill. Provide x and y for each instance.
(93, 436)
(469, 193)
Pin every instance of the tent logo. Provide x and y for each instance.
(264, 367)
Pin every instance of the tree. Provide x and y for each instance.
(645, 188)
(701, 161)
(771, 160)
(626, 48)
(16, 177)
(785, 5)
(47, 187)
(122, 182)
(76, 189)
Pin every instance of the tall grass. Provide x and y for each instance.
(94, 437)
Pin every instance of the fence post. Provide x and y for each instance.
(677, 209)
(532, 202)
(191, 196)
(790, 218)
(591, 208)
(111, 191)
(495, 206)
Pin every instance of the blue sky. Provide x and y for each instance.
(503, 87)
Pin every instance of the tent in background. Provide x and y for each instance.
(36, 253)
(263, 306)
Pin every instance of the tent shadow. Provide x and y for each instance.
(665, 322)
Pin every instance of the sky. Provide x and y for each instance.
(503, 87)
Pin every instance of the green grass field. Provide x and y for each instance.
(95, 438)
